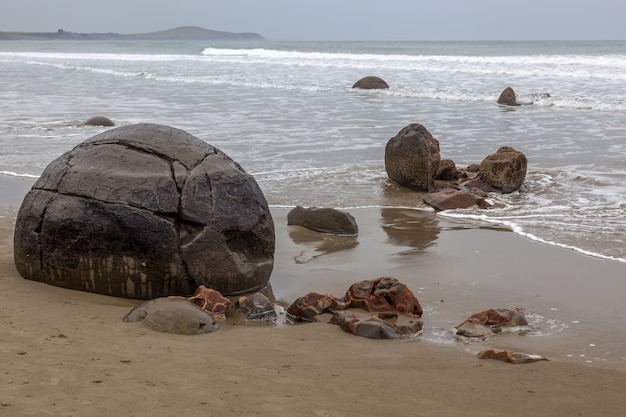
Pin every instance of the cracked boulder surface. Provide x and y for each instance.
(145, 211)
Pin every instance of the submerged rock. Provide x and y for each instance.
(450, 199)
(481, 325)
(371, 82)
(510, 357)
(99, 121)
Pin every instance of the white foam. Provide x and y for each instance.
(15, 174)
(518, 229)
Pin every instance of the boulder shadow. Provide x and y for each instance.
(315, 244)
(413, 229)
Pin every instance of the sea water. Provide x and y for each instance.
(287, 112)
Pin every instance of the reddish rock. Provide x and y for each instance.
(499, 317)
(482, 325)
(306, 308)
(399, 312)
(210, 301)
(478, 184)
(383, 294)
(451, 199)
(510, 357)
(473, 168)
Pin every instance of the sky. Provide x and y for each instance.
(320, 20)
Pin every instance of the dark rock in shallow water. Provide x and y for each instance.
(371, 82)
(504, 170)
(507, 97)
(447, 171)
(99, 121)
(145, 211)
(412, 158)
(324, 220)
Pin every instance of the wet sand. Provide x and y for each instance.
(68, 352)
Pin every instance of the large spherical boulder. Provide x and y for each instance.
(145, 211)
(504, 170)
(412, 158)
(371, 82)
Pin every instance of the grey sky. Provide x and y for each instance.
(331, 19)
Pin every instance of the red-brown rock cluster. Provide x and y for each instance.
(398, 310)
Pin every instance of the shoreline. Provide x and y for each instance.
(69, 352)
(455, 269)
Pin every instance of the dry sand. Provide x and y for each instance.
(67, 353)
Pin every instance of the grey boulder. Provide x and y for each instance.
(99, 121)
(172, 315)
(145, 211)
(324, 220)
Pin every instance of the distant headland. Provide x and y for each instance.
(180, 33)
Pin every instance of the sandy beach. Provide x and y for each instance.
(68, 353)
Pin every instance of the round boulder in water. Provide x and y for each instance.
(370, 83)
(144, 211)
(99, 121)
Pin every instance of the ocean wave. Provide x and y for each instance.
(607, 67)
(613, 61)
(17, 174)
(559, 66)
(561, 75)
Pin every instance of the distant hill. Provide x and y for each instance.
(180, 33)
